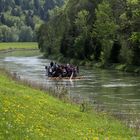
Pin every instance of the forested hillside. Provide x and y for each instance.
(107, 31)
(20, 19)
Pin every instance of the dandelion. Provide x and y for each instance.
(95, 138)
(20, 119)
(3, 119)
(107, 138)
(5, 110)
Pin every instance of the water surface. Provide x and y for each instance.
(111, 90)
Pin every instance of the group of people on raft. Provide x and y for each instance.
(55, 70)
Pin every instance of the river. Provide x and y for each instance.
(110, 90)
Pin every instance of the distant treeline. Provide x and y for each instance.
(107, 31)
(20, 19)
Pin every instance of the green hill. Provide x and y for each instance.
(20, 19)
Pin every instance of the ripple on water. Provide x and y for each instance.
(30, 61)
(113, 97)
(134, 100)
(119, 85)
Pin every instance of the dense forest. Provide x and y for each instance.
(105, 31)
(20, 19)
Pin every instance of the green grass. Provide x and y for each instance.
(26, 113)
(18, 45)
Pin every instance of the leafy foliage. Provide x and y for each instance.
(104, 30)
(16, 16)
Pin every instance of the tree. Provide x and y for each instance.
(67, 48)
(16, 11)
(37, 4)
(130, 23)
(27, 5)
(82, 28)
(105, 29)
(2, 18)
(22, 13)
(2, 5)
(49, 4)
(9, 4)
(26, 34)
(18, 2)
(8, 34)
(29, 21)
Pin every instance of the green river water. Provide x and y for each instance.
(108, 90)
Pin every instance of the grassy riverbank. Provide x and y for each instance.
(26, 113)
(18, 45)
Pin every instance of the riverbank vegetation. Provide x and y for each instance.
(33, 114)
(105, 32)
(20, 19)
(18, 45)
